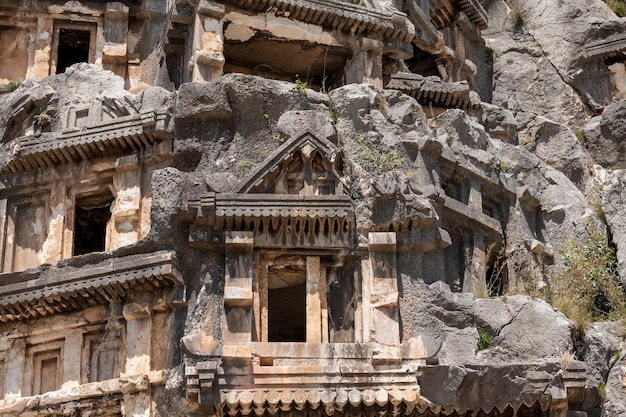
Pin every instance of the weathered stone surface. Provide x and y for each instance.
(550, 340)
(557, 145)
(612, 204)
(604, 136)
(530, 51)
(492, 314)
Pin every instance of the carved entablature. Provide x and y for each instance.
(52, 291)
(294, 200)
(338, 15)
(116, 136)
(606, 47)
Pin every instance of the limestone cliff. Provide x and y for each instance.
(251, 246)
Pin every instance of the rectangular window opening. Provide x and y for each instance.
(73, 48)
(91, 216)
(287, 304)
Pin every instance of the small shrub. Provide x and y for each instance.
(618, 7)
(243, 168)
(43, 119)
(484, 339)
(278, 137)
(580, 135)
(589, 289)
(566, 358)
(10, 87)
(517, 14)
(262, 155)
(301, 86)
(384, 161)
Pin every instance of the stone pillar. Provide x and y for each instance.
(366, 66)
(475, 200)
(72, 352)
(123, 228)
(52, 250)
(384, 288)
(237, 324)
(138, 318)
(41, 65)
(4, 237)
(138, 338)
(115, 51)
(207, 60)
(475, 270)
(366, 298)
(313, 300)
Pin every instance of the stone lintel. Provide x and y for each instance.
(382, 241)
(476, 13)
(121, 135)
(477, 219)
(237, 297)
(607, 47)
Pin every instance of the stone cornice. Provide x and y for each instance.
(432, 91)
(475, 12)
(338, 15)
(608, 47)
(271, 206)
(121, 135)
(47, 291)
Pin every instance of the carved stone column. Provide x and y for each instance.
(237, 325)
(124, 227)
(385, 316)
(475, 279)
(138, 349)
(72, 348)
(139, 338)
(115, 51)
(207, 60)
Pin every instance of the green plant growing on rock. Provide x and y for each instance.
(517, 13)
(43, 119)
(602, 390)
(617, 6)
(589, 289)
(484, 339)
(10, 87)
(278, 137)
(300, 86)
(243, 168)
(384, 161)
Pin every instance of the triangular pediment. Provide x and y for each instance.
(304, 165)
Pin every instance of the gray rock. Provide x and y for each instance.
(537, 331)
(491, 314)
(604, 136)
(557, 145)
(294, 123)
(613, 197)
(537, 69)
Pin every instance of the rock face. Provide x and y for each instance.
(363, 241)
